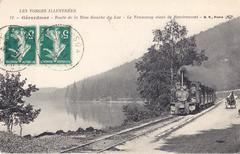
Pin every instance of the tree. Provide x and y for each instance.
(26, 115)
(13, 109)
(74, 93)
(67, 92)
(157, 69)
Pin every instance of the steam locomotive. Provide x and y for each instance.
(190, 96)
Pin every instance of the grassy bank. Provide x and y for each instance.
(12, 143)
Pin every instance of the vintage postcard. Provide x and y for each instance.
(108, 76)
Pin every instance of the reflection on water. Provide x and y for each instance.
(102, 113)
(68, 115)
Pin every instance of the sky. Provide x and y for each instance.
(110, 43)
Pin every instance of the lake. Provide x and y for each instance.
(67, 115)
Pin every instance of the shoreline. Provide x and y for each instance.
(58, 141)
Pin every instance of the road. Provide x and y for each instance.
(216, 131)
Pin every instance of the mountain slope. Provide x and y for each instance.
(119, 82)
(222, 45)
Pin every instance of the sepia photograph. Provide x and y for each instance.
(108, 76)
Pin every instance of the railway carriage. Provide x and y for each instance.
(190, 96)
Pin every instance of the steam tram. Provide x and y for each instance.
(190, 96)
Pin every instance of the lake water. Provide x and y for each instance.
(70, 116)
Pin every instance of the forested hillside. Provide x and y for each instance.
(118, 83)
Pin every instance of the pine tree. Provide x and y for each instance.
(67, 92)
(74, 92)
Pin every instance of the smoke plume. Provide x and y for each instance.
(220, 75)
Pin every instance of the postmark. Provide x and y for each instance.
(20, 45)
(61, 47)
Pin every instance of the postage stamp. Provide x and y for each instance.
(55, 44)
(58, 47)
(20, 45)
(65, 52)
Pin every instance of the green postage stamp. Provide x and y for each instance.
(55, 44)
(20, 45)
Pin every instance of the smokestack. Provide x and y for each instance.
(219, 76)
(182, 75)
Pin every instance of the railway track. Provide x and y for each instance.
(166, 126)
(118, 134)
